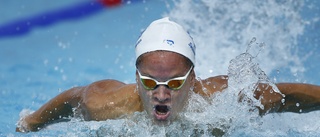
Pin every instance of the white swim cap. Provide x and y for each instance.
(167, 35)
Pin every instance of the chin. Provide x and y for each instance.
(161, 122)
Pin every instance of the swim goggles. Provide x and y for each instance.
(174, 83)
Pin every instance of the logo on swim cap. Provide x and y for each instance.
(170, 42)
(164, 34)
(193, 48)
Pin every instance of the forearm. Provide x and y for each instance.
(57, 108)
(269, 98)
(299, 98)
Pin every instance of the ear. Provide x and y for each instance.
(137, 75)
(137, 81)
(192, 77)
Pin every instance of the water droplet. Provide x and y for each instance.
(283, 101)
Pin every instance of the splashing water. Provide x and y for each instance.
(222, 28)
(224, 113)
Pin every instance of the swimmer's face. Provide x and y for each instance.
(162, 103)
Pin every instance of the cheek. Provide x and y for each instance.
(145, 96)
(181, 97)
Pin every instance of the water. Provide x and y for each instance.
(38, 66)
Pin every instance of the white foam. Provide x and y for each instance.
(222, 29)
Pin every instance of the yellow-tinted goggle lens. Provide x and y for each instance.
(175, 84)
(149, 84)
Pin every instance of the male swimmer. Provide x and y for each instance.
(165, 77)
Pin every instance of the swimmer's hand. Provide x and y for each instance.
(28, 123)
(25, 127)
(269, 98)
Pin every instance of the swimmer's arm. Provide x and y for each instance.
(209, 86)
(57, 108)
(101, 100)
(298, 98)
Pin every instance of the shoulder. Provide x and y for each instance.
(211, 85)
(107, 87)
(107, 99)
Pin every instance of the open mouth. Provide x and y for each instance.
(161, 109)
(161, 112)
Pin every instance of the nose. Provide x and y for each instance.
(162, 94)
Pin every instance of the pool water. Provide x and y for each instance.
(37, 65)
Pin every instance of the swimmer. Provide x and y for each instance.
(165, 77)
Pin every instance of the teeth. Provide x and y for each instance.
(160, 113)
